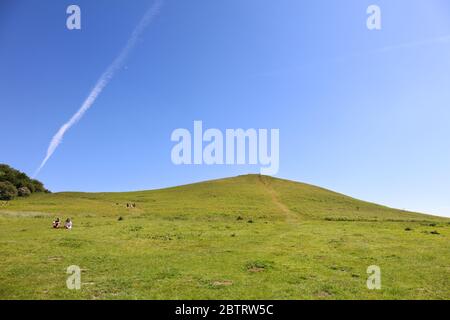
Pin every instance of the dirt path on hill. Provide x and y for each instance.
(290, 216)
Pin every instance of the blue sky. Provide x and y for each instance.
(365, 113)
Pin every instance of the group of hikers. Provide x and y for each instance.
(67, 224)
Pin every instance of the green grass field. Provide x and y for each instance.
(249, 237)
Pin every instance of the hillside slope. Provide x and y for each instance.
(248, 237)
(249, 194)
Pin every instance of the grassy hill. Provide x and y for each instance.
(251, 237)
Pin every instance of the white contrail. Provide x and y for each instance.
(102, 82)
(414, 44)
(405, 45)
(444, 39)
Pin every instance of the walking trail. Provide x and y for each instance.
(289, 214)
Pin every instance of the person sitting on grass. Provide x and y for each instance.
(68, 224)
(56, 223)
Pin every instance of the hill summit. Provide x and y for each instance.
(247, 195)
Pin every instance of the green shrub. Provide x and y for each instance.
(7, 191)
(23, 192)
(20, 180)
(38, 186)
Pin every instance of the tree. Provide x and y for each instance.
(38, 186)
(20, 180)
(7, 191)
(23, 192)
